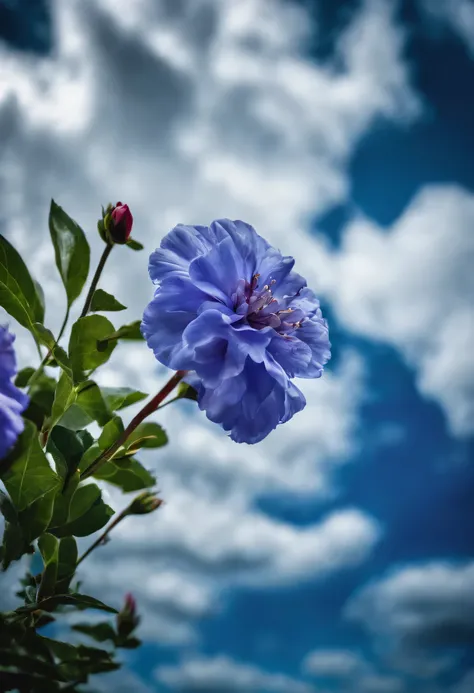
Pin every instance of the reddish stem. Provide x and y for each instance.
(148, 409)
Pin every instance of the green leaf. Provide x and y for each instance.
(129, 643)
(41, 395)
(130, 331)
(62, 504)
(46, 338)
(86, 438)
(134, 245)
(13, 544)
(83, 500)
(118, 398)
(71, 250)
(83, 351)
(100, 632)
(67, 449)
(37, 516)
(23, 376)
(62, 650)
(75, 418)
(186, 391)
(85, 405)
(126, 473)
(147, 435)
(101, 300)
(48, 547)
(111, 431)
(80, 601)
(18, 293)
(95, 518)
(87, 513)
(41, 299)
(90, 455)
(64, 396)
(90, 399)
(28, 475)
(67, 560)
(67, 556)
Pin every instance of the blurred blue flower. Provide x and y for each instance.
(12, 401)
(229, 307)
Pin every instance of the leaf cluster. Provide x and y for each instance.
(46, 506)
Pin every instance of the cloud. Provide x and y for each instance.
(465, 684)
(412, 286)
(417, 611)
(188, 553)
(350, 672)
(458, 15)
(334, 663)
(224, 675)
(189, 111)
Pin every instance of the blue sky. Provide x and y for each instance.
(337, 556)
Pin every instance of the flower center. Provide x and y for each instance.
(261, 309)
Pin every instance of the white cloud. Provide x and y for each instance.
(466, 683)
(189, 111)
(183, 556)
(419, 607)
(375, 683)
(224, 675)
(456, 14)
(350, 672)
(413, 286)
(338, 664)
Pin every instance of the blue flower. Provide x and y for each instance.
(12, 401)
(229, 307)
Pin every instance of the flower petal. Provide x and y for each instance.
(218, 272)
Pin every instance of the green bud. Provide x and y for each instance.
(144, 503)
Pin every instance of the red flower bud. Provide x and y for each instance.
(121, 222)
(127, 618)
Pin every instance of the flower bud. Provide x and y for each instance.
(121, 222)
(144, 503)
(127, 619)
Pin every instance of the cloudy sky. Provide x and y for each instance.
(337, 555)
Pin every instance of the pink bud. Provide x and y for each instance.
(127, 618)
(130, 604)
(122, 222)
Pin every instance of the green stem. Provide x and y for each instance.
(104, 535)
(148, 409)
(170, 401)
(44, 362)
(95, 280)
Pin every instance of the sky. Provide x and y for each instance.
(337, 555)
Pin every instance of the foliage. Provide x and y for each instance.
(48, 500)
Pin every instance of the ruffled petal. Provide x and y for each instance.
(242, 337)
(252, 404)
(250, 246)
(12, 400)
(11, 422)
(293, 355)
(218, 272)
(314, 333)
(178, 248)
